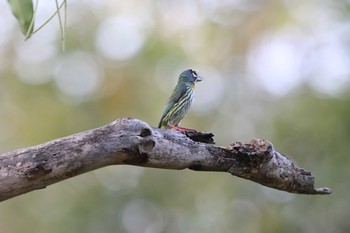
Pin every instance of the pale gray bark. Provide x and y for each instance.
(134, 142)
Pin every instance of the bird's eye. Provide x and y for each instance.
(194, 73)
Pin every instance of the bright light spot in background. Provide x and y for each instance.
(208, 92)
(7, 23)
(281, 62)
(124, 178)
(178, 15)
(35, 73)
(120, 37)
(77, 74)
(193, 43)
(229, 12)
(143, 216)
(326, 67)
(329, 68)
(34, 51)
(275, 62)
(34, 62)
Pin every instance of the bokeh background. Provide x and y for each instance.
(278, 70)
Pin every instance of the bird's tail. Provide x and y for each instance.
(160, 124)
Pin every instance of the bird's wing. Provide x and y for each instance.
(179, 91)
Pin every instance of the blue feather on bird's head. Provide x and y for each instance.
(190, 76)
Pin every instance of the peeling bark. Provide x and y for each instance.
(134, 142)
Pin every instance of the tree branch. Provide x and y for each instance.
(134, 142)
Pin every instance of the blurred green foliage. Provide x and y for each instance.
(273, 69)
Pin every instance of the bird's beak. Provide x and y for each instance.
(199, 78)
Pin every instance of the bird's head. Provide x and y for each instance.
(190, 76)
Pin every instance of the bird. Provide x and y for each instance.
(180, 101)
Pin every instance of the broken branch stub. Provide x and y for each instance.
(258, 161)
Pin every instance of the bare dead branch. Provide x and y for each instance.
(134, 142)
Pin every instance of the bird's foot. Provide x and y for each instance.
(181, 129)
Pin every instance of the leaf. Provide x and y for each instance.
(23, 11)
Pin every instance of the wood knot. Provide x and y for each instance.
(38, 171)
(145, 132)
(146, 146)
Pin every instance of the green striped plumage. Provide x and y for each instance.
(181, 99)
